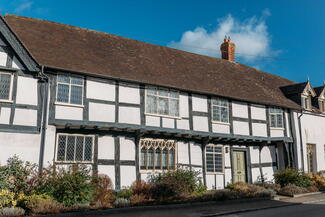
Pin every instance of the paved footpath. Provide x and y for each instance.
(309, 206)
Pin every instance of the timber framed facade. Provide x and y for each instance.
(129, 128)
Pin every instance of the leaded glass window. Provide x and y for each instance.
(70, 89)
(74, 148)
(157, 154)
(220, 110)
(162, 102)
(214, 158)
(276, 118)
(5, 86)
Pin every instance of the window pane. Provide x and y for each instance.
(162, 93)
(158, 159)
(273, 121)
(174, 94)
(216, 113)
(63, 93)
(76, 95)
(164, 159)
(209, 161)
(88, 149)
(174, 107)
(279, 120)
(209, 148)
(64, 79)
(152, 91)
(150, 158)
(78, 81)
(5, 81)
(171, 159)
(224, 115)
(163, 106)
(70, 148)
(61, 148)
(143, 158)
(79, 148)
(152, 104)
(218, 162)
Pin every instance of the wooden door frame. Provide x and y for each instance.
(248, 163)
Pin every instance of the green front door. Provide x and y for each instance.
(239, 166)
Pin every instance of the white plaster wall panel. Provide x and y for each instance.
(100, 90)
(26, 146)
(258, 113)
(239, 110)
(49, 147)
(210, 182)
(183, 105)
(129, 94)
(227, 156)
(127, 148)
(259, 129)
(196, 154)
(287, 124)
(221, 128)
(5, 115)
(168, 123)
(128, 176)
(254, 154)
(219, 181)
(129, 115)
(106, 147)
(277, 133)
(16, 64)
(182, 152)
(152, 121)
(228, 176)
(200, 123)
(68, 113)
(183, 124)
(255, 174)
(268, 154)
(3, 59)
(268, 173)
(241, 128)
(26, 91)
(25, 117)
(199, 103)
(101, 112)
(109, 171)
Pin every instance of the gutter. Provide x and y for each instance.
(45, 81)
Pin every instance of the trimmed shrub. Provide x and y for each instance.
(104, 194)
(175, 184)
(317, 181)
(292, 176)
(121, 202)
(270, 186)
(7, 199)
(141, 193)
(71, 186)
(292, 189)
(12, 212)
(124, 193)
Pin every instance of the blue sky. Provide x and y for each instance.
(281, 37)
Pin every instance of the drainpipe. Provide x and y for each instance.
(45, 80)
(301, 142)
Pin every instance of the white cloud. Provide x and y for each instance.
(251, 37)
(24, 5)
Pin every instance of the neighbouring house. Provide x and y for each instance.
(129, 109)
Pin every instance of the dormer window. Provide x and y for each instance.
(306, 102)
(322, 105)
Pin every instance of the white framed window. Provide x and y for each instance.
(220, 110)
(276, 118)
(6, 85)
(157, 154)
(69, 89)
(162, 102)
(73, 148)
(306, 102)
(214, 158)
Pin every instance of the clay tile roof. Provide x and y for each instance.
(81, 50)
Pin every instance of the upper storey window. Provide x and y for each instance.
(322, 105)
(70, 89)
(306, 102)
(220, 110)
(276, 118)
(162, 102)
(6, 83)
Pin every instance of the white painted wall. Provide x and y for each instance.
(108, 170)
(220, 128)
(258, 113)
(199, 103)
(129, 115)
(153, 121)
(259, 129)
(106, 147)
(68, 112)
(182, 152)
(129, 93)
(239, 110)
(196, 154)
(127, 148)
(25, 117)
(100, 90)
(128, 176)
(200, 123)
(183, 105)
(183, 124)
(26, 91)
(5, 115)
(49, 148)
(241, 128)
(101, 112)
(168, 123)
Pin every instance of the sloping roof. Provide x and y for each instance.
(297, 88)
(81, 50)
(319, 90)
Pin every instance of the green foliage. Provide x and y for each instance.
(175, 184)
(7, 199)
(292, 176)
(124, 193)
(69, 187)
(15, 174)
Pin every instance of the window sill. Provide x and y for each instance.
(163, 116)
(215, 173)
(154, 171)
(68, 104)
(73, 162)
(6, 100)
(277, 128)
(221, 123)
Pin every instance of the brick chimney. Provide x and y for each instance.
(227, 49)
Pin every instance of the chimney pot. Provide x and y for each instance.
(227, 49)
